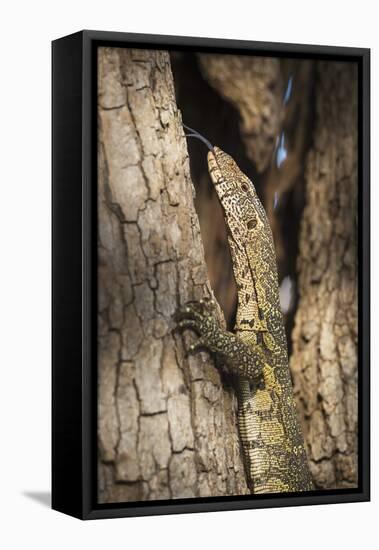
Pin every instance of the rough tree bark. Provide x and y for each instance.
(324, 359)
(166, 423)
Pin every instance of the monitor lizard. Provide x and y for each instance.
(255, 354)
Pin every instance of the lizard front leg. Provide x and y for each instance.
(240, 359)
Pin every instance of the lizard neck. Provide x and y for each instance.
(257, 286)
(249, 314)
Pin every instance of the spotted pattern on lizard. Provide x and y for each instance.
(255, 354)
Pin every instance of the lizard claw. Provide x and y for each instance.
(199, 345)
(184, 324)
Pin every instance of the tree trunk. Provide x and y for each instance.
(166, 422)
(324, 358)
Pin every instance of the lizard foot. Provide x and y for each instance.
(197, 317)
(239, 358)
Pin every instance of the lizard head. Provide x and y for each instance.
(244, 214)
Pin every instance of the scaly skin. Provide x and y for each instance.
(256, 353)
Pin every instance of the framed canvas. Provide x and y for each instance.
(210, 275)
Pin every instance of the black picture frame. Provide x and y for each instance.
(74, 441)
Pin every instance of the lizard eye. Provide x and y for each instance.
(252, 223)
(244, 187)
